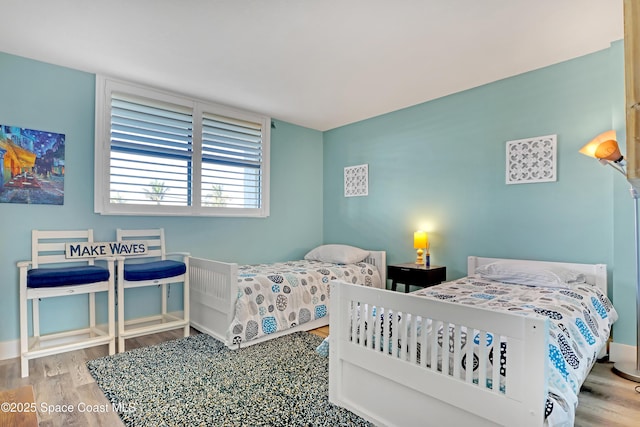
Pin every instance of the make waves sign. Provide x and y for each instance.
(100, 249)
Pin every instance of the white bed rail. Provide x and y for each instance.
(407, 386)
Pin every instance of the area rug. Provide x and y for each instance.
(197, 381)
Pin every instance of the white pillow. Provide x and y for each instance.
(527, 274)
(337, 254)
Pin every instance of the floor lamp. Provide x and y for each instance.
(604, 147)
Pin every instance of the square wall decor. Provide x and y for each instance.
(356, 181)
(531, 160)
(32, 166)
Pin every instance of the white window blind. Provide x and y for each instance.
(161, 154)
(231, 162)
(151, 153)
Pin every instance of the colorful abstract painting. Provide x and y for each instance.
(31, 166)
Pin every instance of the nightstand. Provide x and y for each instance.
(415, 275)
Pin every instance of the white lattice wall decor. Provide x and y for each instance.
(356, 181)
(532, 160)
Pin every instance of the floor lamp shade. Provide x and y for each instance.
(603, 147)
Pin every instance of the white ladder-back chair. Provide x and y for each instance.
(50, 273)
(152, 268)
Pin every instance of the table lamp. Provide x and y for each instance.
(420, 242)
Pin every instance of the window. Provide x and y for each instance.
(163, 154)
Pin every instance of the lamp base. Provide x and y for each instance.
(628, 370)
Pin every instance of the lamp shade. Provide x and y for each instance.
(604, 147)
(420, 239)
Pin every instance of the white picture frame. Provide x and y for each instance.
(356, 180)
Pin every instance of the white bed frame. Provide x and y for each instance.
(394, 390)
(214, 290)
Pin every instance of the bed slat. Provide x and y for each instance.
(435, 325)
(444, 348)
(482, 350)
(412, 343)
(423, 343)
(495, 374)
(456, 351)
(469, 353)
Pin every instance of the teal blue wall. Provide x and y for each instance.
(440, 166)
(46, 97)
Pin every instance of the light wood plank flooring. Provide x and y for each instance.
(63, 379)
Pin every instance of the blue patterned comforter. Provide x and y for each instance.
(279, 296)
(580, 320)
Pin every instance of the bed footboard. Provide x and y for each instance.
(385, 367)
(212, 296)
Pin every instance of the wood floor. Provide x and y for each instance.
(63, 380)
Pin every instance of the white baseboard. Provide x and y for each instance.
(622, 352)
(9, 349)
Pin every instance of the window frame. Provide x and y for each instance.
(105, 87)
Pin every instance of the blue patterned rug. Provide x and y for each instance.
(197, 381)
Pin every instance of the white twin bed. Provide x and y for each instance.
(387, 362)
(243, 305)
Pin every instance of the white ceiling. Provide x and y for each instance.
(315, 63)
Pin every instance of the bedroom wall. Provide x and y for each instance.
(46, 97)
(440, 166)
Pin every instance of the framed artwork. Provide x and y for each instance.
(356, 181)
(531, 160)
(31, 166)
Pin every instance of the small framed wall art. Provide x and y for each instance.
(531, 160)
(356, 181)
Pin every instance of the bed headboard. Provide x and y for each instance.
(379, 259)
(596, 274)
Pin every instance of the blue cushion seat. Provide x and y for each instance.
(153, 270)
(66, 276)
